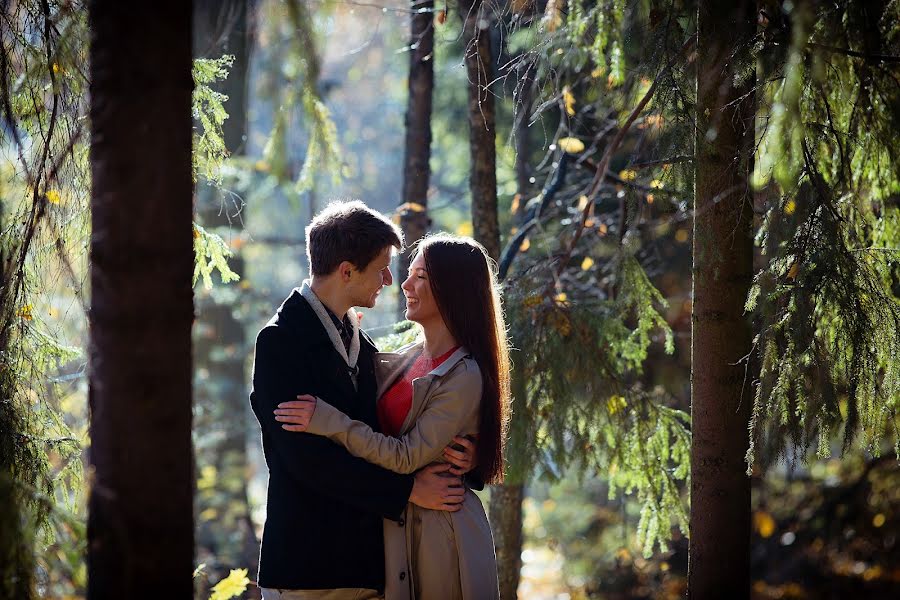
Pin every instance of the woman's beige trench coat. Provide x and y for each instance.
(429, 554)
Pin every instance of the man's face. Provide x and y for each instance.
(365, 285)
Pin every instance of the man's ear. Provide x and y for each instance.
(345, 269)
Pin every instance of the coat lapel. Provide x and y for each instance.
(423, 385)
(389, 366)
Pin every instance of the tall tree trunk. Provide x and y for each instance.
(414, 219)
(506, 500)
(719, 563)
(225, 535)
(482, 131)
(140, 525)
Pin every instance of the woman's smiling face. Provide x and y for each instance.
(420, 304)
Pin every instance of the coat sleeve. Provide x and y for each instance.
(448, 411)
(313, 461)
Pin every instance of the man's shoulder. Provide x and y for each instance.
(293, 323)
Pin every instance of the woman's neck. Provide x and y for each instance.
(438, 339)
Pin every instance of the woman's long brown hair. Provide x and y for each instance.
(464, 283)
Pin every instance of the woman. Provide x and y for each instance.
(454, 381)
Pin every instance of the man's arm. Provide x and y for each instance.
(315, 462)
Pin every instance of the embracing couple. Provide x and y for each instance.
(372, 456)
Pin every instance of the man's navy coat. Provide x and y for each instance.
(325, 507)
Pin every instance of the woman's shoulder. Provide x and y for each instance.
(465, 372)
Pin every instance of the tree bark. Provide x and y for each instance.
(506, 499)
(416, 168)
(140, 524)
(506, 524)
(482, 130)
(719, 563)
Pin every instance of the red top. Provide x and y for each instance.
(394, 405)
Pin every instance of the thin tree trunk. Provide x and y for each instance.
(719, 563)
(225, 537)
(506, 500)
(482, 130)
(140, 525)
(506, 524)
(414, 219)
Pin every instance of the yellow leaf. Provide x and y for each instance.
(681, 236)
(764, 523)
(616, 404)
(790, 207)
(411, 207)
(589, 222)
(199, 570)
(234, 585)
(533, 300)
(465, 228)
(196, 232)
(209, 514)
(52, 196)
(582, 202)
(561, 297)
(878, 520)
(208, 475)
(602, 229)
(568, 99)
(526, 244)
(794, 271)
(587, 263)
(514, 207)
(27, 312)
(656, 183)
(650, 198)
(597, 73)
(513, 230)
(628, 174)
(571, 145)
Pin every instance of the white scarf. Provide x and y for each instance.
(320, 310)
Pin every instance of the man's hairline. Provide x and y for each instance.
(394, 248)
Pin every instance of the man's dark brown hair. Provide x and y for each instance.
(351, 231)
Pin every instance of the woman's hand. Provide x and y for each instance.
(462, 457)
(296, 414)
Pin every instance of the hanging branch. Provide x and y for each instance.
(603, 165)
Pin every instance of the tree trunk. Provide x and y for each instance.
(719, 562)
(414, 221)
(482, 131)
(506, 500)
(140, 525)
(225, 536)
(506, 524)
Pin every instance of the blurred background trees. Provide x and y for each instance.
(577, 140)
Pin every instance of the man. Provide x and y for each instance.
(323, 531)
